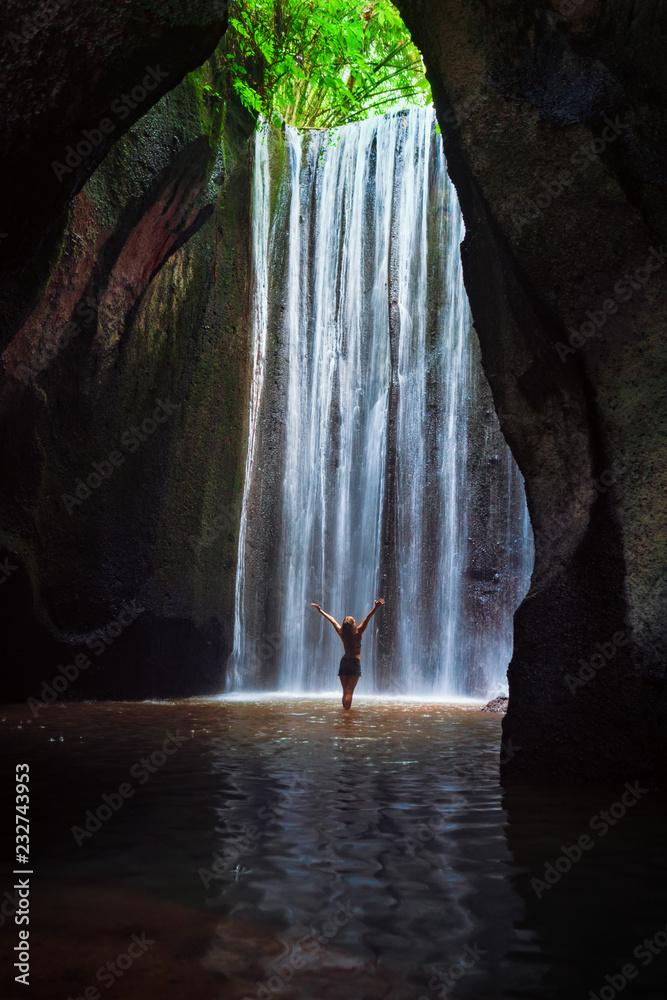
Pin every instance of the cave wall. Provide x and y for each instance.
(553, 121)
(74, 78)
(122, 416)
(499, 546)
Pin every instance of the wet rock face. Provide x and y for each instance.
(497, 705)
(553, 129)
(123, 274)
(75, 76)
(122, 418)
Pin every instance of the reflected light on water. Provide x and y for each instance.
(359, 699)
(355, 854)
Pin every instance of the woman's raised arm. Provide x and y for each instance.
(362, 627)
(328, 617)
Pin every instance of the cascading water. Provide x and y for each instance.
(367, 408)
(260, 235)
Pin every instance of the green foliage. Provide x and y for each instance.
(321, 63)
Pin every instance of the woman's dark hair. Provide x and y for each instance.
(348, 628)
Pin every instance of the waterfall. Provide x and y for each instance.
(260, 237)
(374, 454)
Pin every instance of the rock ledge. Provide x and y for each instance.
(498, 704)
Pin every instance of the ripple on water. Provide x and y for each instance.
(367, 850)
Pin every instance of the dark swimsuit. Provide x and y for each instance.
(350, 666)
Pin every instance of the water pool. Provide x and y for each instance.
(280, 847)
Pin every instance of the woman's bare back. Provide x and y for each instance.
(350, 634)
(351, 642)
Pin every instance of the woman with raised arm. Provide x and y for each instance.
(350, 664)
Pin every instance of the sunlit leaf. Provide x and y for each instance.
(322, 63)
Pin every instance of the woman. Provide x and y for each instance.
(350, 664)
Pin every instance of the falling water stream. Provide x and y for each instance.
(366, 401)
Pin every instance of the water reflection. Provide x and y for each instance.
(291, 850)
(592, 907)
(391, 811)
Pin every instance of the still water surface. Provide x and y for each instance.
(288, 849)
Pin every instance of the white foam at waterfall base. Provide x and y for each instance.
(359, 699)
(370, 333)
